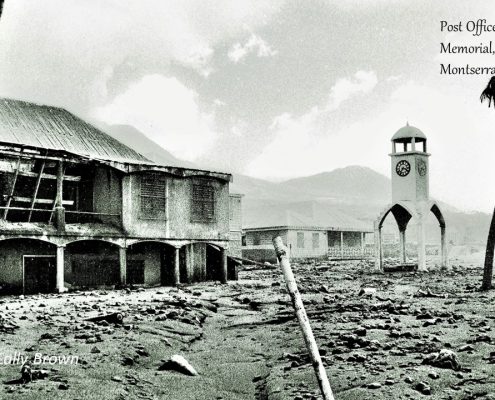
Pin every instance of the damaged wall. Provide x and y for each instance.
(177, 223)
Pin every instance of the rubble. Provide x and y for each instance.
(179, 364)
(443, 359)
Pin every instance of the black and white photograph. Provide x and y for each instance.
(247, 199)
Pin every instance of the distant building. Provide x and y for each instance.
(310, 230)
(80, 209)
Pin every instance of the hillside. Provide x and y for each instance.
(138, 141)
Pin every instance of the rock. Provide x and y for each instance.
(360, 331)
(128, 361)
(423, 388)
(374, 385)
(433, 375)
(26, 373)
(408, 379)
(443, 359)
(358, 357)
(466, 347)
(179, 364)
(117, 378)
(367, 291)
(63, 386)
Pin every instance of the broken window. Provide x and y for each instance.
(153, 196)
(203, 202)
(300, 239)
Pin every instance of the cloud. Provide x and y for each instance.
(300, 145)
(362, 83)
(255, 45)
(167, 112)
(59, 51)
(458, 128)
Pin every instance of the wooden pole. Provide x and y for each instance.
(12, 189)
(302, 317)
(36, 188)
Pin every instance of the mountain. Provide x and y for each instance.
(138, 141)
(349, 184)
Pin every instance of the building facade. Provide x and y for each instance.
(79, 209)
(315, 231)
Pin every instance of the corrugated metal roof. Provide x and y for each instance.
(54, 128)
(310, 214)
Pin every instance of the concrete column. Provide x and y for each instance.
(421, 246)
(362, 244)
(176, 272)
(444, 250)
(223, 266)
(402, 244)
(59, 208)
(378, 248)
(123, 265)
(60, 269)
(342, 245)
(189, 267)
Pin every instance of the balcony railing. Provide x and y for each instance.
(350, 253)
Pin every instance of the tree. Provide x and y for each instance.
(489, 94)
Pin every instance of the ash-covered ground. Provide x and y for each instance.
(413, 335)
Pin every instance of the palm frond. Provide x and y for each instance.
(489, 92)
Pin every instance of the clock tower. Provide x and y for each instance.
(409, 165)
(410, 195)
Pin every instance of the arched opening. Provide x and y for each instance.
(393, 233)
(424, 242)
(201, 261)
(92, 263)
(443, 256)
(150, 263)
(27, 266)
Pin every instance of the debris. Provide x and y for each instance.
(423, 388)
(114, 318)
(443, 359)
(367, 291)
(428, 293)
(28, 374)
(179, 364)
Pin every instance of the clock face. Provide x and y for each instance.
(403, 168)
(421, 167)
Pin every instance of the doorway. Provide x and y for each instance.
(40, 274)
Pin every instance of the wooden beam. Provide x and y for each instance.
(38, 181)
(39, 201)
(50, 176)
(44, 176)
(9, 198)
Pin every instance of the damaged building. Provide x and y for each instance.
(79, 209)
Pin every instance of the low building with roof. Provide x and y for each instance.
(310, 229)
(80, 209)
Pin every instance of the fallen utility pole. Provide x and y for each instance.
(302, 317)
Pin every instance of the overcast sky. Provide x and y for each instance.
(272, 89)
